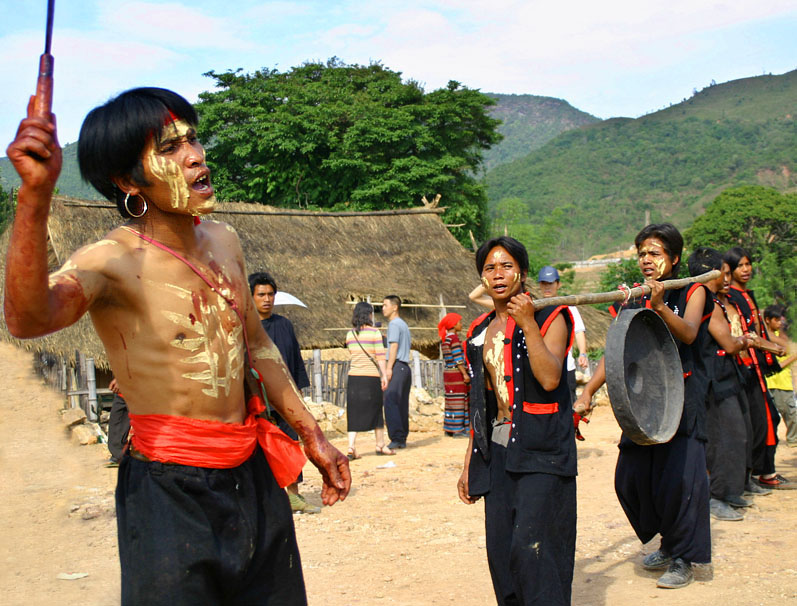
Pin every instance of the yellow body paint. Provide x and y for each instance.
(218, 376)
(494, 357)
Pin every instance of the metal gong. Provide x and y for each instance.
(644, 377)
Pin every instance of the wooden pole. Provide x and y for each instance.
(622, 295)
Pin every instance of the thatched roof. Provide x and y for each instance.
(325, 259)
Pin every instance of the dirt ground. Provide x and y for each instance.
(402, 536)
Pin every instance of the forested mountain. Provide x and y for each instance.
(528, 122)
(671, 163)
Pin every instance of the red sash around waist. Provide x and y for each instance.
(217, 445)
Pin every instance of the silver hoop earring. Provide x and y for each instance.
(129, 212)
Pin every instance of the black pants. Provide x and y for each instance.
(397, 403)
(664, 489)
(195, 536)
(530, 523)
(763, 456)
(118, 427)
(726, 449)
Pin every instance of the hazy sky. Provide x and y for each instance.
(609, 58)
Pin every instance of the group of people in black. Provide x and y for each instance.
(729, 421)
(521, 454)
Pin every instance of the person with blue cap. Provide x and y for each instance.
(549, 283)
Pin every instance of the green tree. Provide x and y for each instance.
(763, 221)
(622, 272)
(6, 207)
(347, 137)
(541, 238)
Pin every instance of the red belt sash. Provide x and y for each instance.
(216, 445)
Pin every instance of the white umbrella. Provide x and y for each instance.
(284, 298)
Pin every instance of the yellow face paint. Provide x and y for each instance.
(485, 283)
(169, 172)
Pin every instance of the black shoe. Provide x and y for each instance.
(678, 575)
(752, 489)
(393, 445)
(737, 501)
(720, 510)
(657, 560)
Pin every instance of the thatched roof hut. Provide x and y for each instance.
(325, 259)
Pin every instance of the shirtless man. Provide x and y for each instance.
(200, 514)
(521, 455)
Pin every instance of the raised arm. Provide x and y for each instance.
(479, 296)
(37, 304)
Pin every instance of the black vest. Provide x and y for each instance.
(542, 438)
(724, 376)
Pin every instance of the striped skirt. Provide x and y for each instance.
(456, 395)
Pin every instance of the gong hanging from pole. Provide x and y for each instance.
(644, 377)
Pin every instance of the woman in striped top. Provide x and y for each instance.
(455, 377)
(367, 380)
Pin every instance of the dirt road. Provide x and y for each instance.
(402, 537)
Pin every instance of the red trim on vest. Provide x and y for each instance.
(510, 384)
(541, 408)
(475, 323)
(552, 317)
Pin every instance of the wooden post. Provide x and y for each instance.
(74, 400)
(81, 359)
(93, 412)
(473, 241)
(318, 382)
(416, 369)
(618, 295)
(64, 375)
(443, 312)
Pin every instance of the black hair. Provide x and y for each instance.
(734, 256)
(113, 137)
(362, 316)
(774, 311)
(704, 259)
(671, 239)
(515, 249)
(395, 299)
(261, 277)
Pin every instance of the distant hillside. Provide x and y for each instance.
(670, 163)
(69, 183)
(529, 122)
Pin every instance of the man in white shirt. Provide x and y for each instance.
(548, 280)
